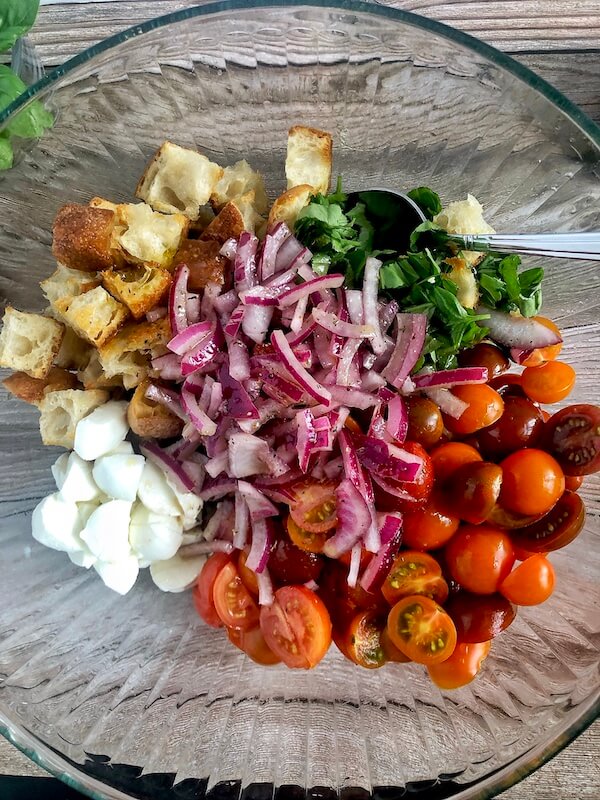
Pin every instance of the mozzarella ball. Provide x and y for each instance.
(153, 537)
(119, 576)
(59, 469)
(118, 475)
(177, 573)
(107, 531)
(102, 430)
(78, 484)
(56, 523)
(155, 493)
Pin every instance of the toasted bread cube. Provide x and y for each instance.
(74, 352)
(151, 420)
(309, 158)
(465, 216)
(82, 237)
(126, 355)
(149, 237)
(94, 316)
(228, 224)
(236, 182)
(288, 205)
(178, 180)
(100, 202)
(205, 262)
(92, 375)
(61, 411)
(31, 390)
(65, 282)
(29, 342)
(140, 289)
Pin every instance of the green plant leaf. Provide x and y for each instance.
(16, 18)
(6, 152)
(428, 201)
(33, 120)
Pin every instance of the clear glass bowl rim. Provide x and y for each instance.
(519, 768)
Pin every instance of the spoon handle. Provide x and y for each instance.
(560, 245)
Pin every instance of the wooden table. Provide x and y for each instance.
(559, 39)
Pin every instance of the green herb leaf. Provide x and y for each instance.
(503, 287)
(33, 120)
(6, 152)
(16, 18)
(428, 201)
(429, 229)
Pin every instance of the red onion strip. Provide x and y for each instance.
(296, 370)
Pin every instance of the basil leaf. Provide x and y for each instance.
(428, 201)
(6, 152)
(16, 18)
(429, 228)
(33, 120)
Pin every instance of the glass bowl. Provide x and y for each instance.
(134, 697)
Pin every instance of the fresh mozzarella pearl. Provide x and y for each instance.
(118, 476)
(155, 493)
(56, 523)
(59, 469)
(124, 449)
(107, 531)
(119, 576)
(78, 484)
(86, 510)
(153, 537)
(177, 573)
(82, 558)
(190, 505)
(102, 430)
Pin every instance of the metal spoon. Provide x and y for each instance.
(581, 245)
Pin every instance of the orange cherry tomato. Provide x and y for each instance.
(532, 481)
(202, 593)
(542, 354)
(462, 666)
(485, 406)
(252, 642)
(422, 630)
(521, 553)
(362, 640)
(390, 650)
(448, 457)
(307, 540)
(479, 557)
(472, 490)
(314, 508)
(233, 602)
(531, 583)
(414, 573)
(247, 575)
(551, 382)
(425, 423)
(573, 482)
(430, 527)
(297, 627)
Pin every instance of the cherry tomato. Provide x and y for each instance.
(521, 554)
(520, 425)
(342, 601)
(462, 666)
(422, 630)
(414, 573)
(202, 593)
(472, 490)
(314, 507)
(429, 527)
(306, 540)
(290, 564)
(297, 627)
(572, 435)
(248, 576)
(484, 407)
(485, 355)
(507, 385)
(541, 354)
(503, 518)
(390, 650)
(556, 529)
(532, 482)
(252, 642)
(233, 602)
(448, 457)
(551, 382)
(480, 557)
(425, 423)
(393, 495)
(531, 583)
(573, 482)
(479, 618)
(362, 640)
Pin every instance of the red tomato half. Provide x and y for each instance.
(252, 642)
(572, 435)
(314, 508)
(422, 630)
(413, 573)
(202, 593)
(462, 666)
(233, 602)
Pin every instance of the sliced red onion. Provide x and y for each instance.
(371, 382)
(245, 262)
(397, 419)
(278, 480)
(192, 308)
(216, 398)
(330, 322)
(239, 404)
(291, 252)
(512, 330)
(206, 394)
(226, 303)
(334, 468)
(265, 588)
(282, 279)
(271, 245)
(196, 472)
(256, 321)
(299, 312)
(355, 473)
(387, 314)
(306, 438)
(354, 398)
(344, 367)
(354, 304)
(210, 294)
(167, 398)
(204, 548)
(217, 488)
(259, 506)
(354, 565)
(371, 311)
(387, 460)
(263, 295)
(353, 520)
(239, 360)
(178, 299)
(189, 338)
(322, 340)
(448, 403)
(220, 463)
(199, 418)
(232, 327)
(172, 468)
(305, 331)
(160, 312)
(409, 346)
(260, 549)
(296, 370)
(185, 447)
(220, 525)
(317, 284)
(229, 249)
(202, 354)
(242, 522)
(392, 487)
(251, 455)
(447, 378)
(378, 567)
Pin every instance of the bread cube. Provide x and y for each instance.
(309, 158)
(82, 237)
(140, 288)
(465, 216)
(29, 342)
(228, 224)
(65, 282)
(149, 237)
(205, 263)
(74, 351)
(236, 181)
(288, 205)
(32, 390)
(94, 316)
(92, 375)
(127, 354)
(178, 180)
(61, 411)
(151, 420)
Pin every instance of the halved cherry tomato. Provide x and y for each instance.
(429, 527)
(521, 554)
(448, 457)
(362, 640)
(479, 618)
(541, 354)
(472, 490)
(485, 355)
(484, 407)
(252, 642)
(304, 539)
(314, 508)
(202, 593)
(531, 583)
(297, 627)
(521, 425)
(480, 557)
(342, 601)
(414, 573)
(532, 481)
(556, 529)
(394, 495)
(573, 482)
(390, 651)
(233, 602)
(425, 423)
(503, 518)
(551, 382)
(290, 564)
(462, 666)
(572, 435)
(248, 576)
(422, 630)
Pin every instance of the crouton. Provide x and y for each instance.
(94, 316)
(178, 180)
(465, 216)
(61, 411)
(65, 282)
(147, 236)
(92, 375)
(126, 355)
(253, 221)
(288, 205)
(140, 288)
(31, 390)
(29, 342)
(236, 182)
(205, 263)
(228, 224)
(309, 158)
(100, 202)
(82, 237)
(151, 420)
(74, 352)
